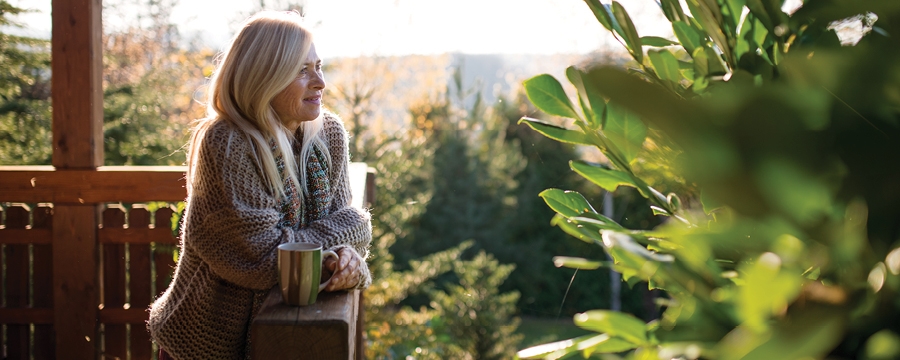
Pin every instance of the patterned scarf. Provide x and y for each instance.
(299, 215)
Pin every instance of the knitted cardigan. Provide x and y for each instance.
(228, 251)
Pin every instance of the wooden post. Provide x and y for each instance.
(325, 330)
(77, 144)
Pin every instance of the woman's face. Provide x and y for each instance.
(302, 99)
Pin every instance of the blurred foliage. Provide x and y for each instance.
(149, 83)
(461, 312)
(790, 137)
(24, 94)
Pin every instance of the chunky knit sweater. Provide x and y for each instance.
(228, 252)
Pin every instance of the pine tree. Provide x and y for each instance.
(25, 116)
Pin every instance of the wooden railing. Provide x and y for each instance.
(130, 257)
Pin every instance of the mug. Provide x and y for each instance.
(299, 272)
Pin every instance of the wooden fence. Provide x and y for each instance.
(133, 264)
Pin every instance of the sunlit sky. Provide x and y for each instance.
(398, 27)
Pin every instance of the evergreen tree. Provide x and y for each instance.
(25, 116)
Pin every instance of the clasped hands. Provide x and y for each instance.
(344, 273)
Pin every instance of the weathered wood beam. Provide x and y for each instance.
(33, 184)
(77, 65)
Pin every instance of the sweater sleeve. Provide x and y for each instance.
(231, 219)
(345, 226)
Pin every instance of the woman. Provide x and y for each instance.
(267, 166)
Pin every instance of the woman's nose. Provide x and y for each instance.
(317, 82)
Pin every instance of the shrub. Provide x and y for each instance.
(789, 137)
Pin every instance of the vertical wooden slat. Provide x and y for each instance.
(76, 84)
(2, 290)
(162, 257)
(114, 286)
(139, 275)
(75, 294)
(17, 284)
(42, 275)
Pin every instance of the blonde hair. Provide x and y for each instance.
(263, 58)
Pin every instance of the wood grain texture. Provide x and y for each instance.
(113, 294)
(42, 273)
(75, 284)
(140, 284)
(17, 217)
(324, 330)
(128, 184)
(77, 65)
(163, 261)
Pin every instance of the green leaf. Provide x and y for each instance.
(604, 344)
(689, 37)
(707, 62)
(567, 203)
(555, 132)
(625, 131)
(591, 104)
(769, 13)
(574, 230)
(709, 15)
(595, 222)
(666, 65)
(554, 350)
(607, 179)
(629, 32)
(547, 94)
(672, 10)
(576, 263)
(601, 12)
(656, 41)
(615, 324)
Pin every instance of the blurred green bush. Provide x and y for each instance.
(791, 133)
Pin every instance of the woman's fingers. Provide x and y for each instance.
(348, 274)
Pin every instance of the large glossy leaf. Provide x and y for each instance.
(649, 101)
(615, 324)
(592, 105)
(547, 94)
(555, 132)
(604, 344)
(672, 10)
(656, 41)
(690, 38)
(732, 10)
(625, 130)
(629, 32)
(601, 12)
(607, 179)
(578, 232)
(710, 18)
(566, 202)
(666, 65)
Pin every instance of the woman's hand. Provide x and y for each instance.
(345, 274)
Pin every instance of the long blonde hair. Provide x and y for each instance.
(263, 58)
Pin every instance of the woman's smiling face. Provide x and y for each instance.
(302, 99)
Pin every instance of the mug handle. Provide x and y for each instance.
(326, 254)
